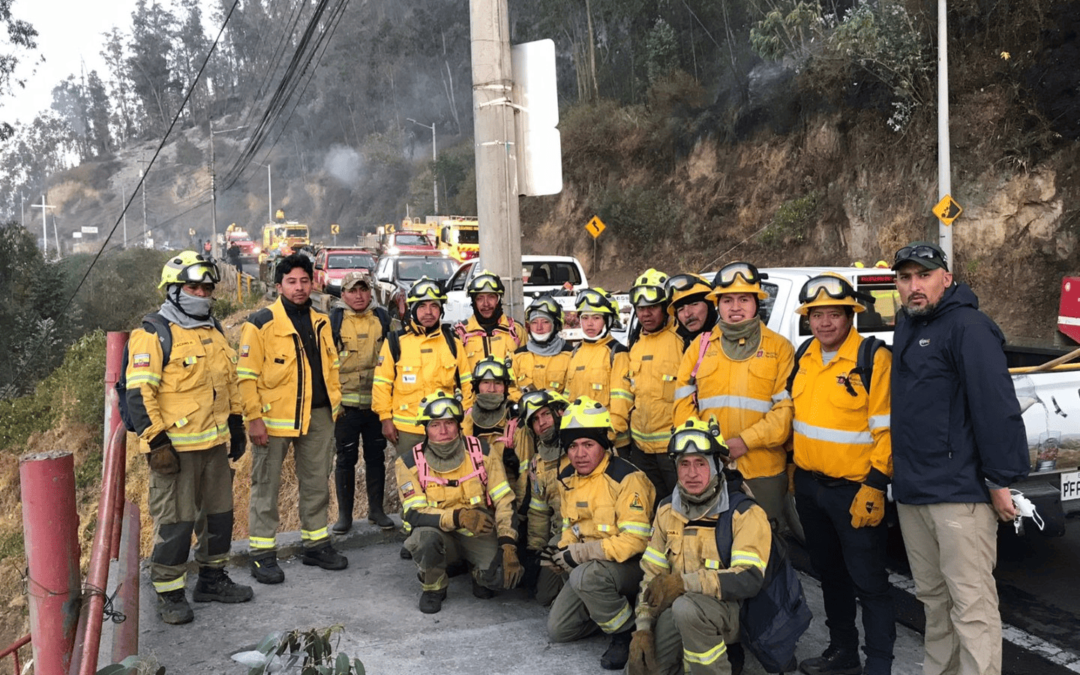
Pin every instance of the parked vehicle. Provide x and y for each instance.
(394, 274)
(333, 263)
(249, 250)
(405, 243)
(561, 275)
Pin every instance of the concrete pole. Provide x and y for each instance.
(44, 231)
(50, 530)
(213, 196)
(945, 234)
(269, 196)
(496, 148)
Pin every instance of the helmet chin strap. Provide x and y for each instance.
(603, 333)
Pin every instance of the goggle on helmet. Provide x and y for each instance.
(830, 290)
(189, 267)
(486, 282)
(695, 437)
(425, 288)
(440, 406)
(687, 286)
(739, 277)
(598, 301)
(534, 401)
(490, 368)
(650, 289)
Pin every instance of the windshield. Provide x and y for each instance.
(296, 232)
(239, 236)
(411, 269)
(548, 273)
(352, 261)
(411, 240)
(468, 236)
(881, 315)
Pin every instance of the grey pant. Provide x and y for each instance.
(432, 550)
(314, 454)
(596, 595)
(407, 441)
(693, 635)
(771, 493)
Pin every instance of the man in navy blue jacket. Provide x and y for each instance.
(958, 444)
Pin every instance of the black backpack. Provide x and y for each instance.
(772, 621)
(155, 324)
(337, 317)
(864, 362)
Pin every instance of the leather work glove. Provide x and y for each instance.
(589, 550)
(555, 559)
(868, 507)
(238, 437)
(642, 653)
(513, 570)
(662, 591)
(511, 463)
(474, 520)
(163, 458)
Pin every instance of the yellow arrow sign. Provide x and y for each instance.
(947, 210)
(595, 227)
(334, 229)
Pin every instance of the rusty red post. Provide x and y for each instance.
(115, 343)
(51, 541)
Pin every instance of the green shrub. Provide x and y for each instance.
(791, 222)
(640, 214)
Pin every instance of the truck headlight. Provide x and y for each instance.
(334, 282)
(393, 250)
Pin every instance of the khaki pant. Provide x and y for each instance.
(693, 635)
(432, 550)
(771, 494)
(200, 493)
(313, 453)
(406, 442)
(952, 549)
(548, 586)
(596, 595)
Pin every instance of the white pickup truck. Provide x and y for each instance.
(541, 274)
(1050, 400)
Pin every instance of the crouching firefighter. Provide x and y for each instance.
(457, 506)
(183, 402)
(606, 507)
(688, 610)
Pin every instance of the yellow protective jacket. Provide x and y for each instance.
(614, 504)
(842, 431)
(434, 505)
(545, 512)
(654, 366)
(535, 372)
(677, 547)
(503, 340)
(601, 371)
(426, 364)
(749, 398)
(274, 373)
(358, 351)
(192, 396)
(523, 449)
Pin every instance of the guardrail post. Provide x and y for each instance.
(115, 344)
(51, 536)
(126, 634)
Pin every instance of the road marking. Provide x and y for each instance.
(1017, 636)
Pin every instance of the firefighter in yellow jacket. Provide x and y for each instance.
(542, 362)
(600, 365)
(289, 382)
(185, 412)
(607, 506)
(540, 415)
(843, 455)
(457, 505)
(655, 354)
(738, 373)
(427, 357)
(688, 610)
(489, 332)
(491, 420)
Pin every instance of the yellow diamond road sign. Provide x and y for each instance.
(947, 210)
(595, 227)
(334, 229)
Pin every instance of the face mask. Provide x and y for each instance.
(490, 401)
(193, 305)
(542, 338)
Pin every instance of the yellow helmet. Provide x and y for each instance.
(739, 277)
(535, 401)
(598, 301)
(490, 368)
(650, 289)
(829, 290)
(188, 267)
(688, 288)
(586, 418)
(440, 406)
(425, 288)
(486, 282)
(697, 437)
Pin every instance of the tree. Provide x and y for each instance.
(21, 37)
(149, 64)
(119, 87)
(98, 115)
(69, 101)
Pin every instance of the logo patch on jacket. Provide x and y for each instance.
(140, 361)
(407, 490)
(636, 504)
(244, 351)
(408, 379)
(925, 342)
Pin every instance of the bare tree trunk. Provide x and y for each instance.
(595, 94)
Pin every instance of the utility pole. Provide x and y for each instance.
(269, 196)
(213, 189)
(123, 206)
(143, 177)
(56, 238)
(44, 226)
(944, 163)
(496, 149)
(434, 161)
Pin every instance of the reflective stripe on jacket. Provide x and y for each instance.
(426, 364)
(545, 512)
(679, 547)
(654, 367)
(749, 398)
(841, 431)
(274, 373)
(614, 504)
(192, 397)
(361, 340)
(601, 371)
(536, 372)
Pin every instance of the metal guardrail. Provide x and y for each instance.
(12, 650)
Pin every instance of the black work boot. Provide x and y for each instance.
(431, 601)
(405, 554)
(265, 569)
(173, 607)
(376, 490)
(345, 482)
(325, 557)
(833, 661)
(214, 585)
(737, 658)
(482, 592)
(618, 652)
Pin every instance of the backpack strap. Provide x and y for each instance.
(394, 340)
(795, 368)
(864, 362)
(450, 336)
(337, 317)
(702, 348)
(384, 319)
(156, 324)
